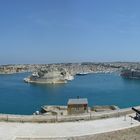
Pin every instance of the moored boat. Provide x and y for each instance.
(82, 73)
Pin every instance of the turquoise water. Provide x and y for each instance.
(17, 97)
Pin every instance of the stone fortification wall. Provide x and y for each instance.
(125, 134)
(50, 119)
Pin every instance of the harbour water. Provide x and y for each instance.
(17, 97)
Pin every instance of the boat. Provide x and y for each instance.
(82, 73)
(26, 80)
(130, 73)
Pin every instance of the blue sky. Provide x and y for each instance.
(51, 31)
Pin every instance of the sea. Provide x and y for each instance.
(17, 97)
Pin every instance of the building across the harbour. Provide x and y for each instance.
(131, 73)
(76, 106)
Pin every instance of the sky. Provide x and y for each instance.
(61, 31)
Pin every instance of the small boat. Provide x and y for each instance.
(26, 80)
(82, 73)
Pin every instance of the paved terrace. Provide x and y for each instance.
(64, 130)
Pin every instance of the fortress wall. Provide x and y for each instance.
(50, 119)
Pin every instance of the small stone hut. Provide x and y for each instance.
(77, 106)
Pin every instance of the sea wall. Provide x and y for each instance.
(67, 118)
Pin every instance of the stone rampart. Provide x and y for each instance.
(65, 118)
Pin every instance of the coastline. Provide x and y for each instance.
(39, 82)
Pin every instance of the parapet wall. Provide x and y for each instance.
(67, 118)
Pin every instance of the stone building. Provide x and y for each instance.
(77, 106)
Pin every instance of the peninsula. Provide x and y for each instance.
(62, 72)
